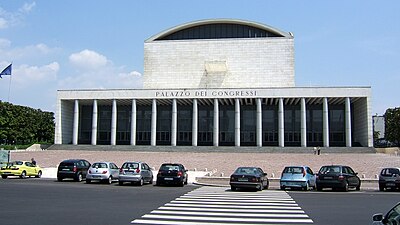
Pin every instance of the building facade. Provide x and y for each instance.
(217, 83)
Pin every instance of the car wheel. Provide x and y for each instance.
(78, 177)
(233, 188)
(319, 188)
(282, 188)
(158, 183)
(23, 175)
(260, 187)
(346, 187)
(39, 174)
(182, 183)
(307, 187)
(381, 188)
(120, 183)
(358, 187)
(59, 179)
(141, 182)
(151, 180)
(88, 181)
(109, 180)
(4, 176)
(186, 181)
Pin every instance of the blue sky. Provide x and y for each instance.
(99, 44)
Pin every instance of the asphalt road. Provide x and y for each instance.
(48, 202)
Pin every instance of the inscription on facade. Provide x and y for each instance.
(206, 93)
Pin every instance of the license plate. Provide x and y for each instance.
(96, 176)
(65, 169)
(168, 178)
(390, 184)
(328, 178)
(242, 179)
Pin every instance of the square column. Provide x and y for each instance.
(259, 122)
(216, 123)
(347, 112)
(153, 123)
(133, 122)
(94, 123)
(281, 123)
(114, 123)
(237, 122)
(303, 123)
(75, 127)
(195, 123)
(325, 122)
(174, 122)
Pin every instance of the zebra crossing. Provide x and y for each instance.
(219, 205)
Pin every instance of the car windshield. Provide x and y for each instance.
(246, 170)
(293, 170)
(390, 172)
(100, 165)
(130, 165)
(329, 169)
(66, 164)
(169, 167)
(16, 163)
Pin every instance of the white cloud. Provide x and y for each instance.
(26, 75)
(27, 7)
(9, 19)
(3, 23)
(26, 52)
(88, 60)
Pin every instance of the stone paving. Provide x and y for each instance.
(222, 163)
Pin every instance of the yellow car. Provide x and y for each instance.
(23, 169)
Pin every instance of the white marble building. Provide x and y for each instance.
(217, 82)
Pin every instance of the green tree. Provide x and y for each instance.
(25, 125)
(392, 125)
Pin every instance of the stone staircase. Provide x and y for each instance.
(243, 149)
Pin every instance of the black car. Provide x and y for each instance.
(249, 177)
(389, 178)
(337, 177)
(73, 168)
(172, 173)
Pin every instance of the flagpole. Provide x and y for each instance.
(9, 88)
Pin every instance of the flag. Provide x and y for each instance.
(6, 71)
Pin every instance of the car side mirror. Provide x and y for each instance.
(377, 217)
(186, 170)
(356, 174)
(265, 174)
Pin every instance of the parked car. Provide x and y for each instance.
(297, 177)
(73, 168)
(383, 143)
(172, 173)
(103, 172)
(389, 178)
(392, 217)
(23, 169)
(249, 177)
(337, 177)
(136, 173)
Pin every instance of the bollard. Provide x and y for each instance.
(205, 169)
(376, 176)
(363, 175)
(272, 175)
(222, 174)
(195, 169)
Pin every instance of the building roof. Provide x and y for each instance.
(219, 28)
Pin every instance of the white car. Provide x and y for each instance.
(136, 173)
(102, 171)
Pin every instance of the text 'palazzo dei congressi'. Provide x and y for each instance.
(217, 83)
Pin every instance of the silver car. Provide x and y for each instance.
(392, 217)
(103, 172)
(297, 177)
(136, 173)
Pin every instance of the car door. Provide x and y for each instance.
(311, 176)
(29, 168)
(145, 172)
(114, 171)
(352, 178)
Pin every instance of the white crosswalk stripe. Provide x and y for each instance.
(218, 205)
